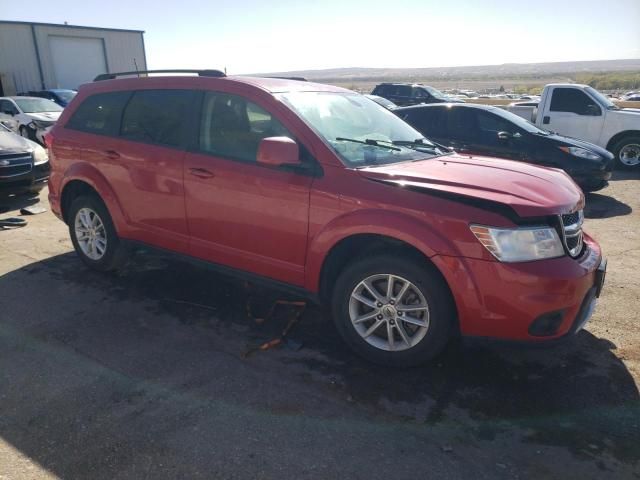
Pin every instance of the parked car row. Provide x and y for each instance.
(324, 192)
(563, 110)
(484, 130)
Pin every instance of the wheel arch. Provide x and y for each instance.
(619, 136)
(86, 179)
(361, 245)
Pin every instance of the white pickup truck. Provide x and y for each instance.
(582, 112)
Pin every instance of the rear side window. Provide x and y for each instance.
(233, 127)
(157, 116)
(404, 90)
(574, 101)
(431, 122)
(100, 113)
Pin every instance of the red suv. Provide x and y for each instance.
(321, 190)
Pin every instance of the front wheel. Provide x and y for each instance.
(627, 152)
(94, 236)
(393, 311)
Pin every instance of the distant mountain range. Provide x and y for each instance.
(341, 75)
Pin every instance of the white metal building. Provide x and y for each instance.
(37, 56)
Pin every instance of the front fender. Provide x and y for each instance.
(393, 225)
(90, 175)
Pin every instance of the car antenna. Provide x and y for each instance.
(135, 64)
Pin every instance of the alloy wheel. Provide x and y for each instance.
(90, 233)
(389, 312)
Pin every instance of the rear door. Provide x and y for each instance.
(147, 162)
(573, 113)
(430, 122)
(242, 214)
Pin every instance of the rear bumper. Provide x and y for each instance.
(502, 301)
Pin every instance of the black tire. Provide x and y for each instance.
(116, 252)
(421, 275)
(617, 150)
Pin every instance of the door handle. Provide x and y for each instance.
(546, 120)
(201, 173)
(112, 154)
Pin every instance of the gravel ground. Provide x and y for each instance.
(145, 374)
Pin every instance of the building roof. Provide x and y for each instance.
(70, 26)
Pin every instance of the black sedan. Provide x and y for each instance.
(494, 132)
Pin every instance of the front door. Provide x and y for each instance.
(575, 114)
(241, 214)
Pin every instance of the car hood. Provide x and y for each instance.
(45, 116)
(531, 191)
(12, 143)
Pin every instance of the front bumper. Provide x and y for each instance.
(502, 301)
(30, 182)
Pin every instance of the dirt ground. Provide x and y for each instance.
(143, 374)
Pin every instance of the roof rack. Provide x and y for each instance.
(299, 79)
(201, 73)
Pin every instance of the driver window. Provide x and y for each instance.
(489, 123)
(233, 127)
(574, 101)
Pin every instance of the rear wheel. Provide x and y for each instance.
(627, 152)
(392, 311)
(94, 236)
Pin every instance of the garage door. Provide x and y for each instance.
(76, 60)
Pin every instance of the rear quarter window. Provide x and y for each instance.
(99, 114)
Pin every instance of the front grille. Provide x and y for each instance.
(12, 165)
(571, 224)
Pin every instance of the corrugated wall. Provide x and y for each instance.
(18, 60)
(18, 64)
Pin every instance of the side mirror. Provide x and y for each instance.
(278, 151)
(592, 110)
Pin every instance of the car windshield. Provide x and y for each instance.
(602, 99)
(359, 130)
(519, 121)
(65, 95)
(436, 93)
(37, 105)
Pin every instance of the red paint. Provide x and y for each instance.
(282, 225)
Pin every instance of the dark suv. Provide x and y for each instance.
(411, 94)
(323, 191)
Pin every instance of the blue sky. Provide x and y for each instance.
(260, 36)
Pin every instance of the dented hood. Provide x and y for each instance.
(529, 190)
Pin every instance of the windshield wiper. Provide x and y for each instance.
(419, 144)
(370, 141)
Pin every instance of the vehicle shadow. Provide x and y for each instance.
(111, 373)
(633, 174)
(598, 205)
(13, 203)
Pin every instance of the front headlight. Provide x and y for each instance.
(520, 244)
(40, 156)
(581, 153)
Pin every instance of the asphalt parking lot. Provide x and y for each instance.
(148, 373)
